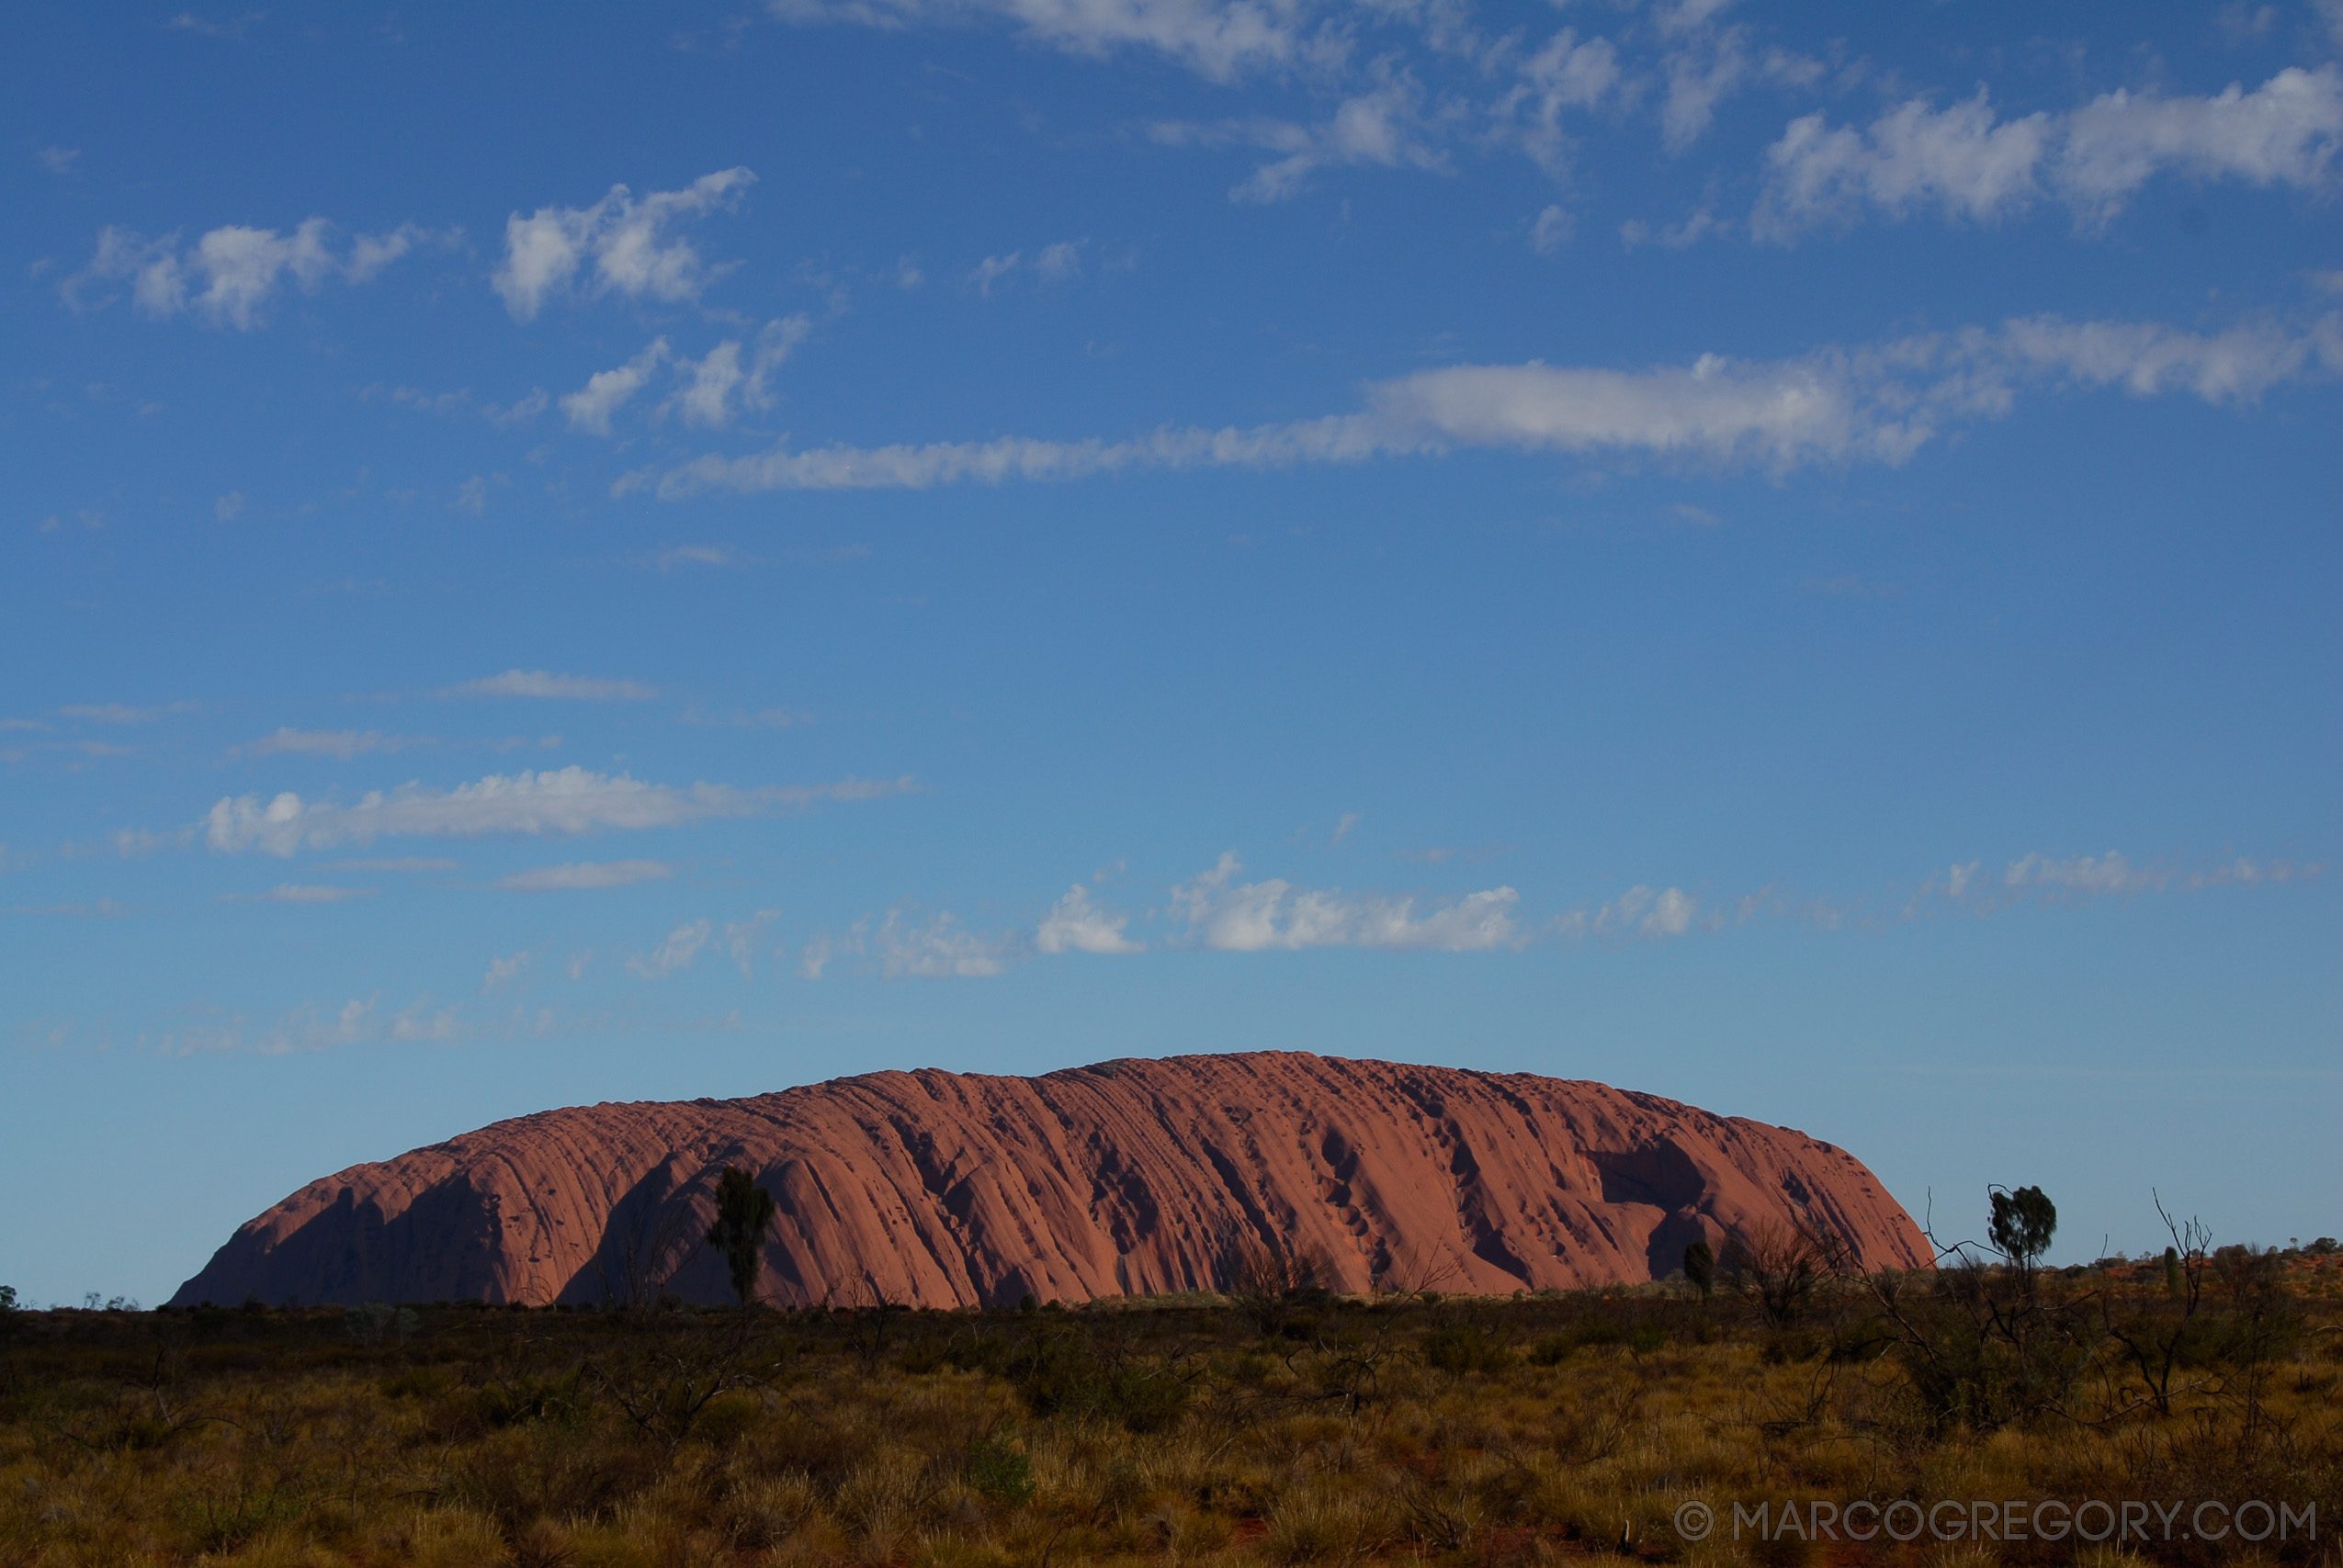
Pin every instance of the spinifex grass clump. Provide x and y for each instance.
(1393, 1429)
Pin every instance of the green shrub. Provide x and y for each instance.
(1465, 1348)
(999, 1474)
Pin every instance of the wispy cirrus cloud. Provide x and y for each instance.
(566, 801)
(1388, 123)
(314, 1026)
(1976, 888)
(343, 744)
(1878, 403)
(301, 893)
(682, 946)
(584, 875)
(542, 683)
(1963, 161)
(733, 378)
(125, 713)
(621, 244)
(1252, 917)
(461, 403)
(939, 948)
(1217, 38)
(1218, 911)
(231, 275)
(1074, 924)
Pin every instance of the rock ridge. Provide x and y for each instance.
(1132, 1176)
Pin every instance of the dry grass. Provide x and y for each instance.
(1537, 1430)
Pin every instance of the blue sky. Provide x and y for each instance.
(1783, 557)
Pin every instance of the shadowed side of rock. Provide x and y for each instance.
(1137, 1177)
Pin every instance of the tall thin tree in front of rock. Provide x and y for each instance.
(743, 1213)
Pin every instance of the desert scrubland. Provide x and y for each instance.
(1277, 1424)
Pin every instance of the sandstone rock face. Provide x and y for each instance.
(936, 1189)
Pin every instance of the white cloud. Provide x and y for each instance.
(2146, 358)
(505, 971)
(1968, 165)
(539, 683)
(2065, 879)
(124, 713)
(1878, 403)
(415, 865)
(1256, 916)
(1640, 912)
(297, 893)
(619, 246)
(1552, 231)
(472, 494)
(606, 391)
(1569, 72)
(2106, 873)
(342, 743)
(937, 949)
(461, 401)
(720, 386)
(1699, 79)
(993, 269)
(307, 1027)
(225, 509)
(1386, 124)
(1059, 262)
(740, 938)
(415, 1023)
(940, 950)
(311, 1027)
(815, 958)
(1217, 38)
(683, 945)
(231, 27)
(58, 160)
(567, 801)
(231, 274)
(763, 718)
(1076, 925)
(583, 876)
(132, 842)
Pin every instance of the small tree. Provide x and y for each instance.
(1777, 1264)
(1269, 1282)
(2020, 1228)
(743, 1213)
(1700, 1267)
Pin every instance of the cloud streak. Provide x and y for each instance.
(231, 275)
(1878, 403)
(567, 688)
(619, 245)
(344, 744)
(1966, 163)
(567, 801)
(298, 893)
(584, 875)
(1255, 917)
